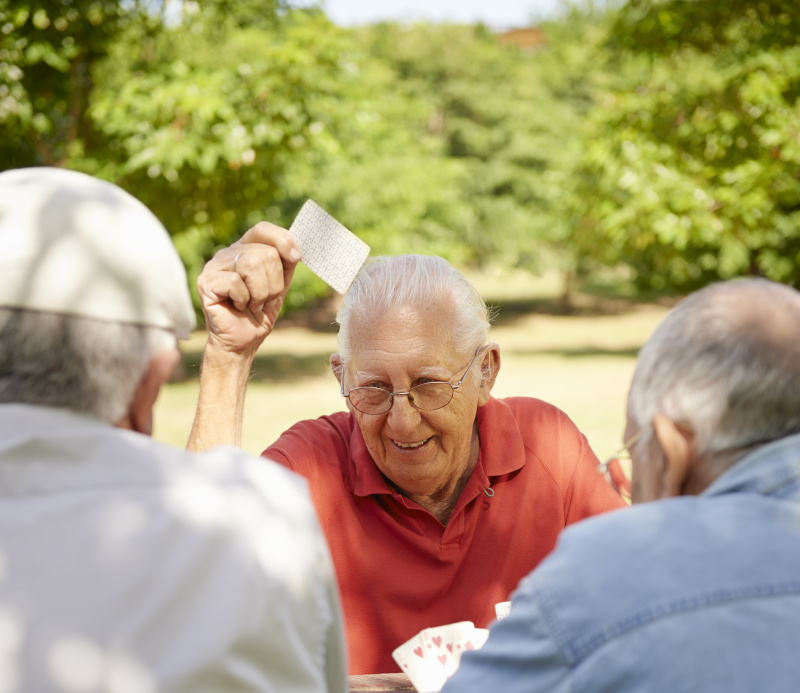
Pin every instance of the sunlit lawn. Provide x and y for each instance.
(581, 363)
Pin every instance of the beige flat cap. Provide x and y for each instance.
(76, 245)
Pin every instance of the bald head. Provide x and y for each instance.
(725, 363)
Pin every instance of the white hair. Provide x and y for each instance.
(385, 283)
(82, 364)
(726, 362)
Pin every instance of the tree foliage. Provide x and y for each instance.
(48, 51)
(207, 144)
(694, 175)
(660, 136)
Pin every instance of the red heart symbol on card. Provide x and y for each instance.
(450, 646)
(469, 646)
(418, 652)
(437, 640)
(442, 659)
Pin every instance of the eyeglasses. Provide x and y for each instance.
(425, 396)
(616, 469)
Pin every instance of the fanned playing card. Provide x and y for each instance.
(330, 250)
(444, 644)
(433, 655)
(502, 609)
(425, 673)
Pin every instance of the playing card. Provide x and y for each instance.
(330, 250)
(441, 643)
(433, 655)
(472, 640)
(426, 674)
(502, 609)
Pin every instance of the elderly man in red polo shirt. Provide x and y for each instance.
(435, 497)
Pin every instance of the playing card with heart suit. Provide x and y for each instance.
(426, 673)
(473, 640)
(441, 643)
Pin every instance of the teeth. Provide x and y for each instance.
(410, 445)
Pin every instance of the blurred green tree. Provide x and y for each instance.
(48, 51)
(485, 110)
(661, 137)
(694, 171)
(195, 110)
(206, 131)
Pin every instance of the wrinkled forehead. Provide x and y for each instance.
(409, 334)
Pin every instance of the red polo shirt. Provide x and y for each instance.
(399, 569)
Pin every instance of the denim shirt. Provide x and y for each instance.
(697, 594)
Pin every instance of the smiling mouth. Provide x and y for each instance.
(410, 446)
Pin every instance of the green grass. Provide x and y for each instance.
(582, 363)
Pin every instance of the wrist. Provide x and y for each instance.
(218, 353)
(223, 370)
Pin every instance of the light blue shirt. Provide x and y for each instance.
(697, 594)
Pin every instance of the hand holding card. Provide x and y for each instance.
(329, 249)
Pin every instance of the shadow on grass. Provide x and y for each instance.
(267, 368)
(509, 312)
(587, 352)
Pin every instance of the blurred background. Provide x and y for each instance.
(586, 164)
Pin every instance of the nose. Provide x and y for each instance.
(403, 415)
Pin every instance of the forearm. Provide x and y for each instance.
(220, 405)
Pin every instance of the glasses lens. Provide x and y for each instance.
(371, 400)
(619, 475)
(431, 395)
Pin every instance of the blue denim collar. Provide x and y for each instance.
(767, 470)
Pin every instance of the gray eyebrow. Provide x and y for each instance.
(364, 375)
(425, 371)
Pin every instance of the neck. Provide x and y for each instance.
(708, 469)
(442, 502)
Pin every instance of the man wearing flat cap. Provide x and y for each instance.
(127, 565)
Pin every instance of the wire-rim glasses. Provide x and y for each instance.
(616, 468)
(425, 396)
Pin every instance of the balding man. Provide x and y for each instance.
(697, 587)
(127, 565)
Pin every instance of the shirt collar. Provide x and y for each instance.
(502, 446)
(502, 450)
(766, 470)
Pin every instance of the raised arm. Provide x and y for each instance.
(242, 289)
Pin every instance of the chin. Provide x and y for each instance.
(416, 486)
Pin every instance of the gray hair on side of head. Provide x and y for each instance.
(385, 283)
(86, 365)
(726, 362)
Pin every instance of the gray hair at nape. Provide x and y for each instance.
(725, 362)
(81, 364)
(385, 283)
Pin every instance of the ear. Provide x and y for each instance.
(490, 367)
(140, 412)
(677, 444)
(336, 366)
